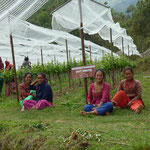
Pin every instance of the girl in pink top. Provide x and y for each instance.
(99, 102)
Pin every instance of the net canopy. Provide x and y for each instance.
(96, 18)
(21, 9)
(29, 39)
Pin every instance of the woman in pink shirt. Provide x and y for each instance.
(99, 102)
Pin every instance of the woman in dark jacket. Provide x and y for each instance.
(43, 94)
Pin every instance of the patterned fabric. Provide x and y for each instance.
(133, 91)
(121, 99)
(24, 91)
(41, 104)
(102, 96)
(30, 97)
(43, 91)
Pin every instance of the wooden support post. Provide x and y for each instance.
(14, 65)
(90, 53)
(68, 64)
(111, 43)
(122, 46)
(41, 56)
(69, 55)
(83, 49)
(128, 50)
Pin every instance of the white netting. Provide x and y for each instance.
(29, 38)
(96, 19)
(22, 9)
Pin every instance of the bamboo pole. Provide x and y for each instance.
(13, 57)
(122, 46)
(111, 43)
(90, 53)
(128, 50)
(69, 55)
(41, 56)
(103, 53)
(83, 49)
(14, 65)
(68, 63)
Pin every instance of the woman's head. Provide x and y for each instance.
(28, 77)
(99, 75)
(26, 59)
(7, 63)
(41, 78)
(128, 73)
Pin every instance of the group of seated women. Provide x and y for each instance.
(38, 94)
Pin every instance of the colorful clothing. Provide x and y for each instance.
(1, 64)
(30, 97)
(24, 91)
(8, 65)
(126, 94)
(44, 96)
(41, 104)
(1, 83)
(95, 99)
(106, 107)
(102, 96)
(25, 94)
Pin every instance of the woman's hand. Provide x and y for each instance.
(33, 94)
(96, 107)
(34, 82)
(89, 103)
(129, 104)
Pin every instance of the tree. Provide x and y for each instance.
(105, 3)
(141, 21)
(130, 9)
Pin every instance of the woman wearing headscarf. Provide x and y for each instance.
(8, 66)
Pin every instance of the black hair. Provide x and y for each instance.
(128, 68)
(27, 74)
(26, 58)
(43, 75)
(101, 70)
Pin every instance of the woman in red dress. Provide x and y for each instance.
(130, 93)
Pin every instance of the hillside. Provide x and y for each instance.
(119, 5)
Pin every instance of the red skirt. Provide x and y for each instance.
(121, 99)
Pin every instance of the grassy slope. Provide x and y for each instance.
(51, 128)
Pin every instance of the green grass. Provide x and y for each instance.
(52, 128)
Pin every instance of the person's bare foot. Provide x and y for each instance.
(83, 113)
(139, 109)
(34, 107)
(22, 110)
(108, 114)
